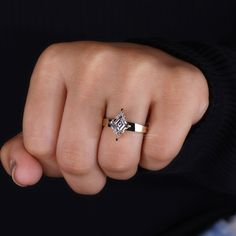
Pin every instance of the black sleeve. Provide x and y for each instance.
(208, 154)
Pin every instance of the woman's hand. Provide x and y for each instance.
(75, 85)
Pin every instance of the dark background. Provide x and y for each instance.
(146, 204)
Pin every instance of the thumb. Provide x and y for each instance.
(24, 168)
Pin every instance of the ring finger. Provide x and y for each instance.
(119, 159)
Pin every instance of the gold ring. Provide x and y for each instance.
(119, 125)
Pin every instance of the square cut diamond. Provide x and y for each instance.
(119, 124)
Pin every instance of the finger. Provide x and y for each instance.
(119, 159)
(18, 163)
(43, 109)
(78, 140)
(168, 127)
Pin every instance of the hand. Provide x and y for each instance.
(75, 85)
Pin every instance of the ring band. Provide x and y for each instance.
(119, 125)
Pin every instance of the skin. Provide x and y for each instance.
(75, 85)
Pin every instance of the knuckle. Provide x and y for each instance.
(143, 62)
(87, 190)
(158, 151)
(72, 161)
(50, 58)
(117, 162)
(166, 153)
(53, 51)
(122, 175)
(100, 56)
(39, 147)
(90, 191)
(153, 165)
(186, 73)
(182, 71)
(100, 59)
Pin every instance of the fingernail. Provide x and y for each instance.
(13, 170)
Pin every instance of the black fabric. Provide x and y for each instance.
(198, 187)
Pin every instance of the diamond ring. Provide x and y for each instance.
(119, 125)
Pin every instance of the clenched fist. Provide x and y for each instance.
(75, 85)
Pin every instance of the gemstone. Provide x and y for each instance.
(119, 124)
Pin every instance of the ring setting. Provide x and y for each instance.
(119, 125)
